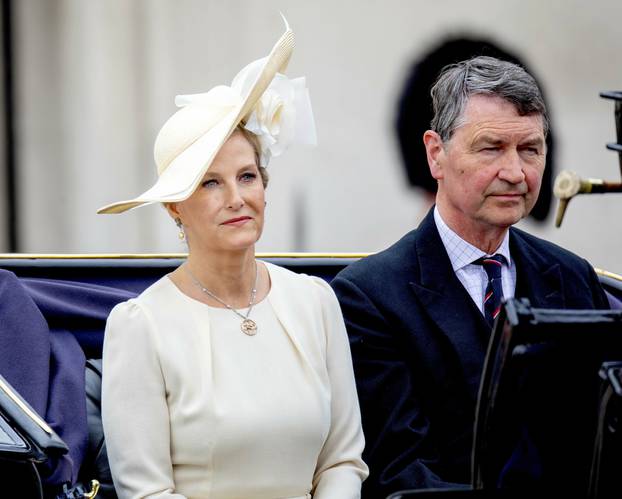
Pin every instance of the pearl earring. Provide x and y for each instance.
(182, 233)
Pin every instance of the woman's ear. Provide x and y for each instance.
(173, 210)
(435, 152)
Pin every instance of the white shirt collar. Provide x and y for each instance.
(462, 253)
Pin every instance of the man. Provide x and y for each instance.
(419, 314)
(414, 113)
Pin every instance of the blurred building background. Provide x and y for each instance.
(88, 84)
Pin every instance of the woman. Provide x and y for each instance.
(230, 378)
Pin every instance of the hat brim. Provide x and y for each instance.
(182, 176)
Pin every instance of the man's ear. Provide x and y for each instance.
(435, 152)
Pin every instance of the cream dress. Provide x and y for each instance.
(194, 408)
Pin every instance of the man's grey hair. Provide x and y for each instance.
(483, 76)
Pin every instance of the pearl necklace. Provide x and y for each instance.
(248, 326)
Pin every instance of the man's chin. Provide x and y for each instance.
(509, 220)
(508, 213)
(505, 219)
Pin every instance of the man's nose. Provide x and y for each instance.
(512, 170)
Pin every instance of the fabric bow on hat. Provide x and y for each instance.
(280, 118)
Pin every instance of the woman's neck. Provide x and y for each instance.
(228, 275)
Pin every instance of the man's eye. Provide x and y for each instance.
(532, 151)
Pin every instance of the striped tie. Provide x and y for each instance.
(494, 290)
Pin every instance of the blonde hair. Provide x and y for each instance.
(254, 142)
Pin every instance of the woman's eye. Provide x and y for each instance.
(210, 183)
(248, 177)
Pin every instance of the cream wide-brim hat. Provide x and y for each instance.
(190, 140)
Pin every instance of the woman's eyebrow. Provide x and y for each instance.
(246, 167)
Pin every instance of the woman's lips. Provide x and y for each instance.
(236, 221)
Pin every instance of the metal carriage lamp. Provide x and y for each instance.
(568, 184)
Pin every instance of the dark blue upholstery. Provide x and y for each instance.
(135, 274)
(43, 361)
(77, 294)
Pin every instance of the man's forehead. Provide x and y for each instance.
(499, 135)
(496, 115)
(485, 105)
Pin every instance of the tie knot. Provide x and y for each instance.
(492, 265)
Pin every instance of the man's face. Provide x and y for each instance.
(490, 171)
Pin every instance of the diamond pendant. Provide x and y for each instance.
(249, 327)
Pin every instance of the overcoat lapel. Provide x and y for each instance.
(441, 295)
(448, 304)
(537, 278)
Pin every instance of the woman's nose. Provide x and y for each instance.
(235, 201)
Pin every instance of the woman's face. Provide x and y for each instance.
(226, 212)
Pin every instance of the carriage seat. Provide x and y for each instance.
(75, 293)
